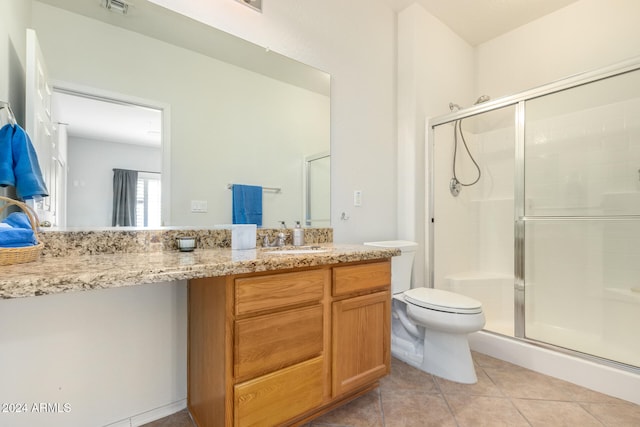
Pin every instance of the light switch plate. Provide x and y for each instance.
(357, 198)
(198, 206)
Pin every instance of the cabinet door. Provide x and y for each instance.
(361, 341)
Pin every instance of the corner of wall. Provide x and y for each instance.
(15, 17)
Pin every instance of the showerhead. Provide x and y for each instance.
(481, 99)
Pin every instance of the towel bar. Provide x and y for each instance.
(274, 189)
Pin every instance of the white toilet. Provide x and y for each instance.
(430, 326)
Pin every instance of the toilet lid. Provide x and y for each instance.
(437, 299)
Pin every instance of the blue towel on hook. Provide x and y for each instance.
(247, 204)
(16, 231)
(25, 173)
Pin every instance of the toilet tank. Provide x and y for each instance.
(402, 265)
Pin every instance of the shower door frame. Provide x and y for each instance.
(520, 219)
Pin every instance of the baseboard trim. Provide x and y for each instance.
(151, 415)
(157, 413)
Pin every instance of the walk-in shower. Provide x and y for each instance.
(548, 238)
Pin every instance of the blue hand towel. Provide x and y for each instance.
(247, 204)
(6, 157)
(29, 181)
(17, 231)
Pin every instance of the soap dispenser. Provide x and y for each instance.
(298, 235)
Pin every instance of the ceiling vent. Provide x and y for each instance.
(117, 6)
(253, 4)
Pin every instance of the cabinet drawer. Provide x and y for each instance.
(274, 398)
(260, 293)
(356, 278)
(270, 342)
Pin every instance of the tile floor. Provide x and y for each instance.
(505, 395)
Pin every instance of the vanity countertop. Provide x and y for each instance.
(51, 275)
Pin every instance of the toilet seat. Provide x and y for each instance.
(437, 299)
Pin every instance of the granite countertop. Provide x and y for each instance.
(51, 275)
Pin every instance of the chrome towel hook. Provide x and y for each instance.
(10, 116)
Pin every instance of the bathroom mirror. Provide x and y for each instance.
(237, 113)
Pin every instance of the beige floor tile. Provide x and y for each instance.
(406, 377)
(179, 419)
(484, 386)
(411, 408)
(525, 384)
(615, 414)
(484, 411)
(543, 413)
(505, 395)
(364, 411)
(485, 361)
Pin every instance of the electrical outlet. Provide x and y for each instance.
(198, 206)
(357, 198)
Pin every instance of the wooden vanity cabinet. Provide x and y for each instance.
(280, 348)
(361, 322)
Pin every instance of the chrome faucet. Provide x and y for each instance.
(279, 241)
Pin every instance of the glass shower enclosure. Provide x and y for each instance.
(535, 212)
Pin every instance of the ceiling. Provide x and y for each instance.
(478, 21)
(105, 120)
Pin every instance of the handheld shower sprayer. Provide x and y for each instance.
(454, 184)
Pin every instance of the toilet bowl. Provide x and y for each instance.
(430, 326)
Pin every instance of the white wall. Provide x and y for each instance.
(585, 35)
(109, 354)
(14, 17)
(354, 41)
(228, 125)
(435, 67)
(90, 177)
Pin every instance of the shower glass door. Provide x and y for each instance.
(473, 231)
(582, 218)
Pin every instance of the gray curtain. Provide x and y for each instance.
(125, 183)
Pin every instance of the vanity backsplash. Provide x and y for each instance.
(71, 243)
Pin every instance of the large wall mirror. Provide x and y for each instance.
(230, 113)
